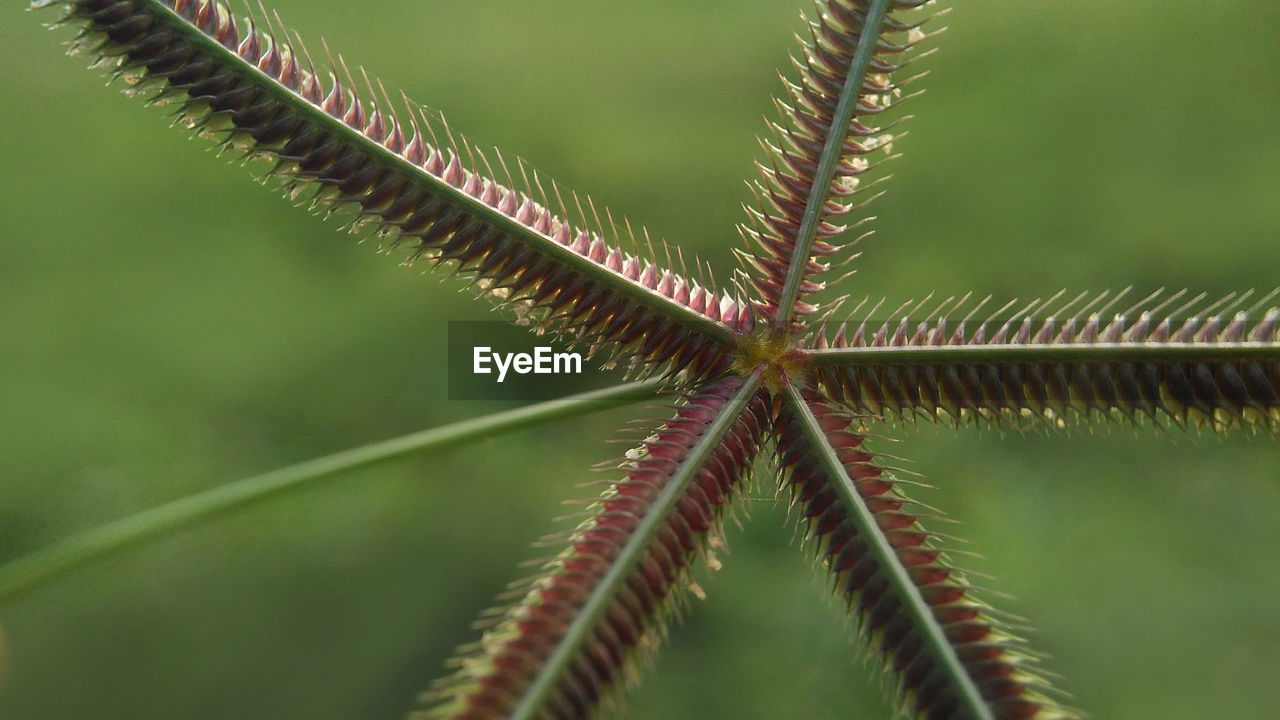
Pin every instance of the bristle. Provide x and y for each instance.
(397, 178)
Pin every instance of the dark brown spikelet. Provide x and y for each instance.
(998, 664)
(440, 196)
(629, 619)
(1216, 367)
(813, 174)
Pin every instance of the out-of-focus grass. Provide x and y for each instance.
(168, 326)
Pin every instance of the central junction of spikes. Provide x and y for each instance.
(772, 353)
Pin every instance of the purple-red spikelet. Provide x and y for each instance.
(437, 194)
(998, 664)
(512, 653)
(788, 180)
(1213, 367)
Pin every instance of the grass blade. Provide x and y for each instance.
(26, 573)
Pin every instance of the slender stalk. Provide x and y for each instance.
(886, 559)
(645, 534)
(827, 162)
(25, 573)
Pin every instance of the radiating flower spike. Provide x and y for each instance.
(597, 611)
(949, 654)
(1195, 373)
(343, 139)
(821, 147)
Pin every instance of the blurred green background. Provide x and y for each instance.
(167, 326)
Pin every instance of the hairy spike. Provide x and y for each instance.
(949, 654)
(1210, 370)
(603, 602)
(234, 77)
(822, 147)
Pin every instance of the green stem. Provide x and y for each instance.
(827, 162)
(646, 533)
(25, 573)
(882, 552)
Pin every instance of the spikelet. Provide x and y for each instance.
(813, 175)
(491, 682)
(1214, 366)
(998, 664)
(438, 195)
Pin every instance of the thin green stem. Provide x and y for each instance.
(828, 161)
(886, 559)
(25, 573)
(646, 533)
